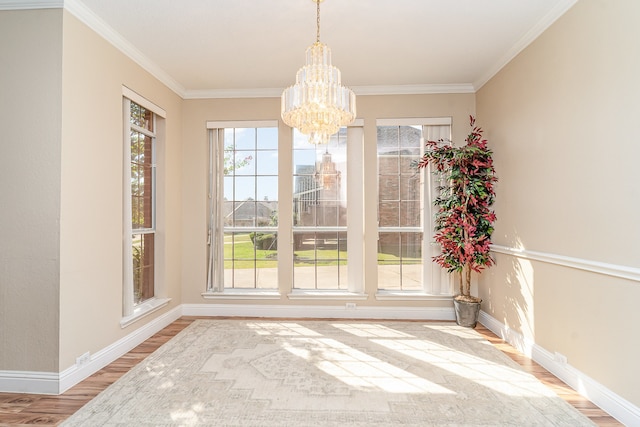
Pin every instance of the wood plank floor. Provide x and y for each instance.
(37, 410)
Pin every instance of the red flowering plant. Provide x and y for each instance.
(464, 218)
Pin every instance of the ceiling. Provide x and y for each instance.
(235, 48)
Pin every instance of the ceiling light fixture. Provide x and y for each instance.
(317, 104)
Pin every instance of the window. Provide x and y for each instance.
(287, 217)
(142, 121)
(404, 207)
(246, 213)
(320, 213)
(142, 201)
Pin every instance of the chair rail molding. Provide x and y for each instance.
(615, 270)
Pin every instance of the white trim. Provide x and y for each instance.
(552, 16)
(615, 270)
(243, 294)
(212, 124)
(29, 382)
(329, 295)
(143, 102)
(417, 121)
(143, 310)
(33, 4)
(385, 295)
(615, 405)
(233, 93)
(356, 123)
(54, 383)
(318, 311)
(97, 24)
(419, 89)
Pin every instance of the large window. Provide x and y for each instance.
(400, 203)
(248, 198)
(143, 123)
(287, 217)
(320, 213)
(405, 197)
(142, 201)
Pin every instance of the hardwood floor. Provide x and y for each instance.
(37, 410)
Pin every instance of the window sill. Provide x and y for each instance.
(256, 294)
(301, 294)
(143, 310)
(410, 296)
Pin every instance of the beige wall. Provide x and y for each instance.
(195, 169)
(30, 112)
(93, 73)
(562, 119)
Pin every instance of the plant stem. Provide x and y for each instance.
(468, 280)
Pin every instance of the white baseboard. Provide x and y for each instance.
(327, 311)
(616, 406)
(57, 383)
(29, 382)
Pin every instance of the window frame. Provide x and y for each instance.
(132, 312)
(435, 281)
(216, 230)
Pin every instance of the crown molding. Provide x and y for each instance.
(233, 93)
(560, 9)
(31, 4)
(85, 15)
(358, 90)
(419, 89)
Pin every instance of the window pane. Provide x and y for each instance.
(250, 203)
(250, 260)
(400, 261)
(142, 117)
(400, 204)
(267, 188)
(320, 260)
(244, 163)
(245, 139)
(268, 139)
(267, 162)
(143, 266)
(141, 180)
(389, 187)
(389, 214)
(142, 202)
(244, 188)
(319, 200)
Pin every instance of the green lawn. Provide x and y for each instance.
(243, 253)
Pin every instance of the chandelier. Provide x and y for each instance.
(317, 104)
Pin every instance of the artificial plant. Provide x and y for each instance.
(464, 218)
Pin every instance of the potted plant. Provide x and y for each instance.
(464, 218)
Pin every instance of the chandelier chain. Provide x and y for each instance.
(318, 21)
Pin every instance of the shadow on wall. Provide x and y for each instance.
(508, 290)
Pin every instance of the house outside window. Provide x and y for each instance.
(320, 213)
(405, 215)
(244, 207)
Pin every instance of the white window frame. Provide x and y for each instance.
(435, 281)
(131, 312)
(215, 234)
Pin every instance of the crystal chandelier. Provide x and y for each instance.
(317, 104)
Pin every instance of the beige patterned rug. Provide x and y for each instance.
(327, 373)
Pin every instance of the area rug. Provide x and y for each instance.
(327, 373)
